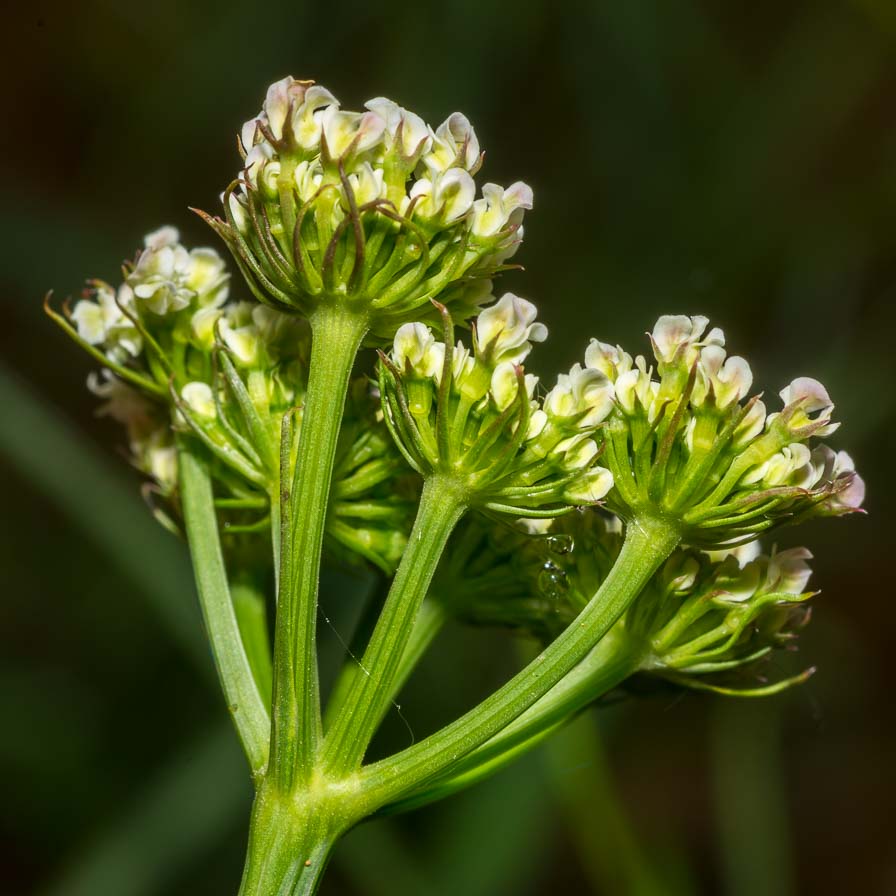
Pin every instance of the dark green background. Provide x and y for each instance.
(734, 159)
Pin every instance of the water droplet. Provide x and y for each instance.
(552, 581)
(560, 543)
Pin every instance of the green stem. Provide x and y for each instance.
(648, 543)
(441, 507)
(246, 705)
(290, 841)
(336, 337)
(608, 665)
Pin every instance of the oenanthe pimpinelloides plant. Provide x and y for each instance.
(611, 515)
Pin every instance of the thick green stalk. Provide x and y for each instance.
(336, 337)
(613, 660)
(246, 705)
(441, 507)
(648, 543)
(290, 841)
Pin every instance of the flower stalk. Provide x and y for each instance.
(296, 713)
(442, 504)
(244, 701)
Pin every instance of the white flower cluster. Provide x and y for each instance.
(733, 612)
(488, 388)
(386, 153)
(708, 444)
(373, 205)
(165, 279)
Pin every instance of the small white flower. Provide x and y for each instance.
(584, 395)
(833, 465)
(237, 205)
(239, 333)
(168, 278)
(309, 175)
(788, 571)
(257, 163)
(677, 337)
(454, 145)
(635, 386)
(500, 209)
(505, 385)
(350, 132)
(307, 117)
(744, 553)
(685, 569)
(751, 425)
(157, 456)
(446, 198)
(199, 399)
(804, 397)
(576, 452)
(407, 130)
(591, 487)
(281, 97)
(535, 527)
(730, 379)
(537, 422)
(790, 466)
(102, 322)
(366, 183)
(202, 326)
(415, 351)
(506, 330)
(164, 236)
(611, 360)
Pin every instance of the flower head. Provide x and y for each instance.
(374, 209)
(473, 416)
(687, 443)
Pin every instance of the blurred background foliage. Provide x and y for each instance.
(729, 158)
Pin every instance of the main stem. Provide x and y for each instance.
(441, 507)
(296, 720)
(290, 839)
(648, 543)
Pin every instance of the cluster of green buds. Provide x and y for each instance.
(704, 621)
(685, 443)
(373, 209)
(178, 356)
(472, 415)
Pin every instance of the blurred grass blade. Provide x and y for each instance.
(750, 798)
(497, 838)
(181, 817)
(376, 862)
(104, 506)
(610, 854)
